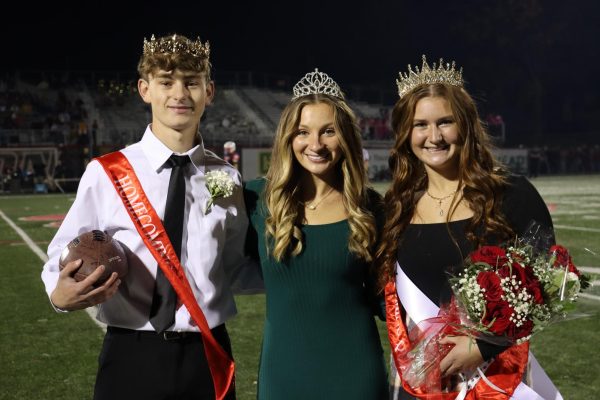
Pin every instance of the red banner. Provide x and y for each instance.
(505, 372)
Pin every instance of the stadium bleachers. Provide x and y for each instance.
(230, 118)
(88, 116)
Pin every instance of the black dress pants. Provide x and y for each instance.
(145, 365)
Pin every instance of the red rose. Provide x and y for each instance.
(563, 259)
(517, 332)
(492, 255)
(527, 278)
(499, 312)
(562, 255)
(517, 258)
(533, 286)
(519, 273)
(504, 271)
(490, 281)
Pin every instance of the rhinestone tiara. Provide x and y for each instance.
(437, 74)
(317, 82)
(176, 44)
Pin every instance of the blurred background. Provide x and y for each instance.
(68, 94)
(68, 76)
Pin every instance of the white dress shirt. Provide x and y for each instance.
(212, 250)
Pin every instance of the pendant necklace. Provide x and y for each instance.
(313, 206)
(440, 200)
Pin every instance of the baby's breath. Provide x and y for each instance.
(219, 184)
(518, 298)
(471, 294)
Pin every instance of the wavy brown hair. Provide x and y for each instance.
(480, 175)
(282, 192)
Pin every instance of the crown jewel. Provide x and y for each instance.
(176, 44)
(437, 74)
(317, 82)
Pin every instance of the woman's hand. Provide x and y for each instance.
(463, 357)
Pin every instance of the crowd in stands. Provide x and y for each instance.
(19, 179)
(374, 121)
(563, 160)
(377, 128)
(34, 115)
(53, 117)
(113, 92)
(46, 114)
(223, 121)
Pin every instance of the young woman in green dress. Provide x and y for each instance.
(313, 228)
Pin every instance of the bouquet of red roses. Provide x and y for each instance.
(512, 292)
(503, 295)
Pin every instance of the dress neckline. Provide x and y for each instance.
(444, 223)
(326, 224)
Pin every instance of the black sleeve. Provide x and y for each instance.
(251, 199)
(522, 205)
(489, 350)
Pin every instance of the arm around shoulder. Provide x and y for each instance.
(244, 271)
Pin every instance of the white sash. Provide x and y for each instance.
(419, 307)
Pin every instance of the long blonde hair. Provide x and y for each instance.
(283, 182)
(480, 175)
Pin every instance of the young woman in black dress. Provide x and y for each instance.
(448, 197)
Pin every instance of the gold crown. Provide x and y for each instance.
(447, 74)
(176, 44)
(317, 82)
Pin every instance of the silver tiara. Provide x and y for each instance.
(440, 73)
(317, 82)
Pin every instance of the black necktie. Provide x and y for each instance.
(162, 312)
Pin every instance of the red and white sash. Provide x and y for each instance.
(152, 232)
(404, 296)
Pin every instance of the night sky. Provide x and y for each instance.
(534, 62)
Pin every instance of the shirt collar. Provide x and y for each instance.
(157, 153)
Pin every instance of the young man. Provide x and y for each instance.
(146, 355)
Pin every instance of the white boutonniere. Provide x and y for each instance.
(219, 184)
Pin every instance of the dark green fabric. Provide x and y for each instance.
(320, 338)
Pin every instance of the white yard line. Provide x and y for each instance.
(589, 296)
(92, 310)
(591, 270)
(34, 247)
(38, 252)
(577, 228)
(27, 196)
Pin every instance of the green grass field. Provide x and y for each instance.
(46, 355)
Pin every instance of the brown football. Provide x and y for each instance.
(95, 248)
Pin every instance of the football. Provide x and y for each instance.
(95, 248)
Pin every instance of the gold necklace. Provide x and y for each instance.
(314, 206)
(440, 200)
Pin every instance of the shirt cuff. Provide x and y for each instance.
(60, 310)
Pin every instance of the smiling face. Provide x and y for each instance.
(178, 99)
(316, 144)
(434, 137)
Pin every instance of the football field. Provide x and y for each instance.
(46, 356)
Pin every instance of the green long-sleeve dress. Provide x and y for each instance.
(320, 339)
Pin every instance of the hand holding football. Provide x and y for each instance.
(95, 248)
